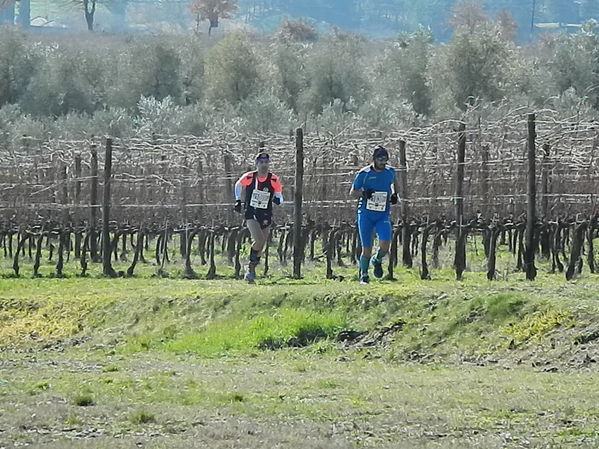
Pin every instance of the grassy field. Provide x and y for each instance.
(173, 363)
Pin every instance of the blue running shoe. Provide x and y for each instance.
(250, 277)
(377, 266)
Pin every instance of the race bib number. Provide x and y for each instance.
(378, 202)
(260, 199)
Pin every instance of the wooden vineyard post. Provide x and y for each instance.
(77, 197)
(297, 204)
(229, 184)
(77, 202)
(485, 181)
(460, 250)
(63, 233)
(594, 224)
(405, 211)
(106, 241)
(529, 254)
(64, 194)
(184, 235)
(545, 239)
(201, 189)
(545, 182)
(93, 213)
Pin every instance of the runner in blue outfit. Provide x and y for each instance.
(376, 188)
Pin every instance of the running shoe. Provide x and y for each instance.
(250, 277)
(377, 266)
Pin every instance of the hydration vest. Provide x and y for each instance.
(264, 186)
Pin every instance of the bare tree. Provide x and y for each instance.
(89, 9)
(7, 12)
(213, 10)
(507, 25)
(24, 19)
(468, 14)
(297, 30)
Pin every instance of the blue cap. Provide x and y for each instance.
(380, 152)
(262, 155)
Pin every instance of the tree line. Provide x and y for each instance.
(380, 18)
(126, 85)
(372, 17)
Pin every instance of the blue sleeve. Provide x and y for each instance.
(359, 180)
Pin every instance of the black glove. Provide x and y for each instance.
(237, 207)
(367, 194)
(394, 198)
(276, 200)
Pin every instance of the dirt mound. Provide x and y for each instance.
(365, 339)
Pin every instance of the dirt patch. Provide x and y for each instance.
(365, 339)
(562, 350)
(588, 336)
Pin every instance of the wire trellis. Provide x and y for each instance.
(190, 179)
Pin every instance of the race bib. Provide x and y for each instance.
(260, 199)
(377, 202)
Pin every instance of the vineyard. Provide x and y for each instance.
(122, 323)
(168, 199)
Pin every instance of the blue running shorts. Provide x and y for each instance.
(369, 222)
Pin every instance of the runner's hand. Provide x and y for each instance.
(276, 200)
(237, 207)
(394, 199)
(367, 194)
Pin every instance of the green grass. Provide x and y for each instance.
(220, 317)
(371, 403)
(110, 369)
(142, 417)
(284, 328)
(539, 324)
(83, 400)
(212, 362)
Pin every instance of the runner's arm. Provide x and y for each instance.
(278, 187)
(238, 189)
(357, 188)
(241, 184)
